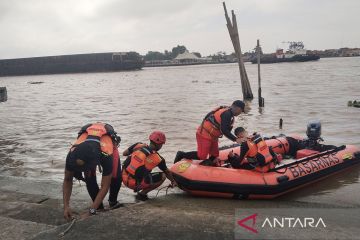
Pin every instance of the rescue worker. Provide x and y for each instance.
(141, 160)
(97, 144)
(254, 148)
(216, 123)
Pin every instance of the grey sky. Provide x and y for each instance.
(51, 27)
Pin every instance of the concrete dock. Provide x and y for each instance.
(32, 209)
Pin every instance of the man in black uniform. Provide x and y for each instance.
(96, 145)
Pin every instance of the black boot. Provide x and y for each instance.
(179, 156)
(191, 155)
(188, 155)
(208, 162)
(141, 197)
(115, 205)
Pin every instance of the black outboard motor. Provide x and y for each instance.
(313, 133)
(313, 130)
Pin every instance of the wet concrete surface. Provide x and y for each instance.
(179, 216)
(31, 209)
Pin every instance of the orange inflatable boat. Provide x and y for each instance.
(307, 167)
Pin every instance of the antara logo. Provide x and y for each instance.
(283, 222)
(242, 223)
(291, 222)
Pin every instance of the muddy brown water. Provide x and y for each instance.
(39, 121)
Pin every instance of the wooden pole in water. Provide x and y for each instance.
(3, 94)
(258, 50)
(234, 35)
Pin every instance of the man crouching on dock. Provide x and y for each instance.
(141, 160)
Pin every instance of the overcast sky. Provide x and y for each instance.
(52, 27)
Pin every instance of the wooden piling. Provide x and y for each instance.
(3, 94)
(234, 35)
(258, 51)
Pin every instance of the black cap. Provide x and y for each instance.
(240, 104)
(238, 130)
(84, 157)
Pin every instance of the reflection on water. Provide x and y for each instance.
(39, 121)
(8, 162)
(340, 189)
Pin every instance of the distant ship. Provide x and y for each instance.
(295, 53)
(77, 63)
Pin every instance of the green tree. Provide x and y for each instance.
(178, 50)
(168, 55)
(150, 56)
(133, 55)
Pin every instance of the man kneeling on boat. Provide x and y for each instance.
(142, 158)
(254, 153)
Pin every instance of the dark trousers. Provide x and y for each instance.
(93, 187)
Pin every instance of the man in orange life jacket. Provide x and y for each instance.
(97, 144)
(216, 123)
(258, 155)
(142, 158)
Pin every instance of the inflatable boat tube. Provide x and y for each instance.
(310, 166)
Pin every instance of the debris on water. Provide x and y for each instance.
(35, 82)
(207, 81)
(3, 94)
(354, 103)
(195, 81)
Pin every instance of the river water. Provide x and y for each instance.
(40, 121)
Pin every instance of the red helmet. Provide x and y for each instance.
(157, 137)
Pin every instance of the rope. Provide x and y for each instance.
(167, 188)
(263, 176)
(62, 234)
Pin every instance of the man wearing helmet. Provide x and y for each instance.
(141, 159)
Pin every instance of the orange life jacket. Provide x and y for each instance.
(144, 157)
(138, 146)
(259, 149)
(96, 132)
(211, 124)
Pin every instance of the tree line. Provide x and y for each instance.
(175, 51)
(167, 55)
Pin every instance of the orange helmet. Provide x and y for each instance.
(157, 137)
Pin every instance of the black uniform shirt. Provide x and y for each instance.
(226, 122)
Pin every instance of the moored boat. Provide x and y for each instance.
(295, 53)
(77, 63)
(307, 167)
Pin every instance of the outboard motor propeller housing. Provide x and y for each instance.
(313, 130)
